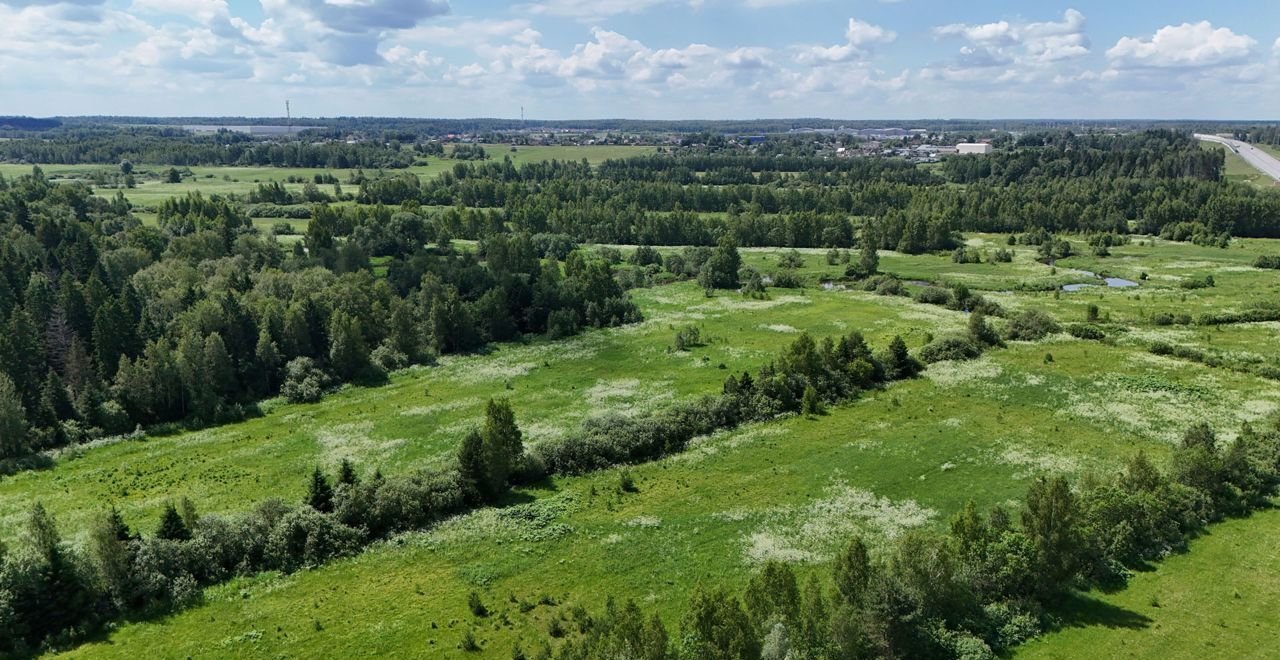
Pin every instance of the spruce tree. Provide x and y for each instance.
(347, 473)
(172, 527)
(13, 420)
(319, 492)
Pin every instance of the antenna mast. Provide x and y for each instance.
(288, 118)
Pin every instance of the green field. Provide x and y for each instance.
(151, 189)
(1218, 601)
(792, 489)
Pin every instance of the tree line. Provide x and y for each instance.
(109, 324)
(74, 145)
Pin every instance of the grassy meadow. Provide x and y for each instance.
(151, 188)
(1217, 601)
(909, 455)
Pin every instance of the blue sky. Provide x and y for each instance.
(661, 59)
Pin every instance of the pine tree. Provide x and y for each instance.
(347, 473)
(319, 492)
(172, 526)
(13, 420)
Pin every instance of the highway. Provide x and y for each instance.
(1259, 159)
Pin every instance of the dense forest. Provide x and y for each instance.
(174, 146)
(109, 324)
(1156, 182)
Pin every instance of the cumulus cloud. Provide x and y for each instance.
(1187, 45)
(860, 37)
(1001, 43)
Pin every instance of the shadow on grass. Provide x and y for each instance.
(1085, 611)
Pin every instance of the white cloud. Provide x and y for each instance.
(590, 10)
(859, 36)
(1002, 43)
(1186, 45)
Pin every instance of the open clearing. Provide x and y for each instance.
(910, 455)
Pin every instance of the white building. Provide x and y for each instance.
(973, 148)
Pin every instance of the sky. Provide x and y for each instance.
(644, 59)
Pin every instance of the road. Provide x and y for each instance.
(1259, 159)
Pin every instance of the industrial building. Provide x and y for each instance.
(973, 148)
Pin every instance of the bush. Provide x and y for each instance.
(949, 348)
(304, 382)
(1271, 261)
(1086, 331)
(388, 359)
(1030, 325)
(933, 295)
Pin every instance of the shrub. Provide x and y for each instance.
(1086, 331)
(476, 605)
(949, 348)
(304, 382)
(1030, 325)
(1271, 261)
(932, 295)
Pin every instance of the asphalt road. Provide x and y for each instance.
(1259, 159)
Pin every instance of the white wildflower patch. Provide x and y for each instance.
(957, 372)
(353, 442)
(647, 522)
(628, 396)
(953, 422)
(1038, 461)
(729, 303)
(612, 539)
(437, 408)
(727, 440)
(779, 327)
(812, 532)
(539, 520)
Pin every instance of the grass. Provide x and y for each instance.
(1217, 601)
(416, 419)
(790, 489)
(152, 190)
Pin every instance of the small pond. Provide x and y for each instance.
(1114, 282)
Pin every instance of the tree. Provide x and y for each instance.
(474, 467)
(347, 473)
(981, 332)
(898, 362)
(811, 403)
(172, 527)
(716, 628)
(173, 176)
(868, 257)
(267, 360)
(721, 270)
(503, 443)
(319, 492)
(852, 572)
(13, 420)
(772, 595)
(1049, 520)
(348, 354)
(111, 556)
